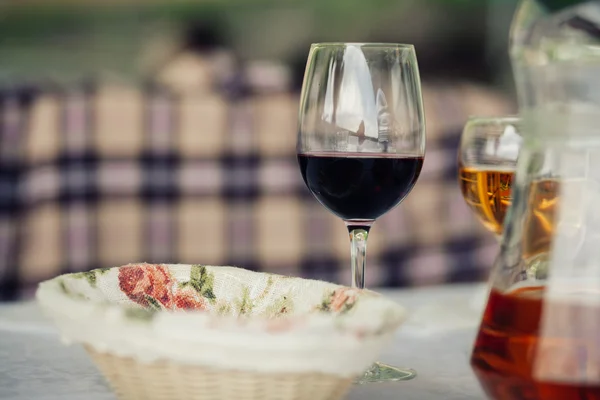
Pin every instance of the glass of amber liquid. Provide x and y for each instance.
(487, 160)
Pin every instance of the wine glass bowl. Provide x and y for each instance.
(487, 160)
(361, 141)
(359, 188)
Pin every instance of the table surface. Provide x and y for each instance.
(435, 341)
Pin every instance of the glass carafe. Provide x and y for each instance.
(540, 334)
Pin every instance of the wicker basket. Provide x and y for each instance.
(169, 332)
(132, 380)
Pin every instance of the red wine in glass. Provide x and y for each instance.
(359, 186)
(361, 143)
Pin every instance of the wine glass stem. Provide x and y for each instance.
(358, 253)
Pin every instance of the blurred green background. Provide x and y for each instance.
(65, 41)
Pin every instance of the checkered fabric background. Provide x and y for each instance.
(109, 175)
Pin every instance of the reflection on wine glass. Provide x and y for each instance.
(487, 159)
(361, 141)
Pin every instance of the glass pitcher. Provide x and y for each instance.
(540, 334)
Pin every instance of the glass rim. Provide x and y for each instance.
(364, 44)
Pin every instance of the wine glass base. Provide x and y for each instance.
(379, 372)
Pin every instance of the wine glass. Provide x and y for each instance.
(361, 141)
(487, 159)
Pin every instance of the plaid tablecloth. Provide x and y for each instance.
(108, 175)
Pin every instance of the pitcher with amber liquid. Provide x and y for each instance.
(539, 338)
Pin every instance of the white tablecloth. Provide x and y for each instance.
(436, 341)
